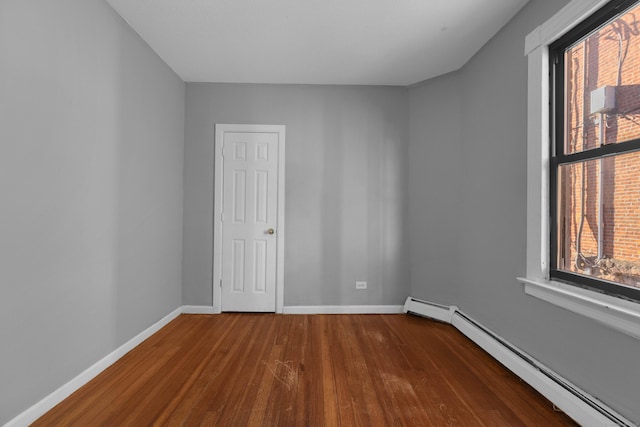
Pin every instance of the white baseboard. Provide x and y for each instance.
(198, 309)
(46, 404)
(342, 309)
(576, 403)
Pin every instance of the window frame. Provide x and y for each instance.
(557, 133)
(617, 313)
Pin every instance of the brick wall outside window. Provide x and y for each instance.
(610, 57)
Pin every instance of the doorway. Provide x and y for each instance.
(248, 236)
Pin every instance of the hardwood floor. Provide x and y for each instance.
(305, 370)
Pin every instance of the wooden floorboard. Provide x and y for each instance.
(305, 370)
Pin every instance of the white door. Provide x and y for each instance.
(249, 217)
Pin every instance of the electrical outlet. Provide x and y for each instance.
(361, 285)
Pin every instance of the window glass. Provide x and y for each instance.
(602, 85)
(601, 243)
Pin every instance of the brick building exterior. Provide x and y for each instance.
(606, 246)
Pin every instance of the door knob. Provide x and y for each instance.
(271, 231)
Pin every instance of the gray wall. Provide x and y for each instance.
(435, 109)
(346, 188)
(488, 217)
(91, 174)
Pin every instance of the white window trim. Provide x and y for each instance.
(616, 313)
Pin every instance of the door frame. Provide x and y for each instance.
(218, 189)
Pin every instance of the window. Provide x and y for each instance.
(620, 314)
(594, 162)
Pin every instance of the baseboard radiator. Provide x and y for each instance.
(576, 403)
(431, 310)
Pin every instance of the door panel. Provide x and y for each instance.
(239, 194)
(249, 221)
(237, 265)
(260, 269)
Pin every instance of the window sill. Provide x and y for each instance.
(616, 313)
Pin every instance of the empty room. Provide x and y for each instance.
(321, 213)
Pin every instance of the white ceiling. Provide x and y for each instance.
(367, 42)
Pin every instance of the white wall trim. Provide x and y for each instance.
(616, 313)
(579, 405)
(342, 309)
(197, 309)
(556, 26)
(37, 410)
